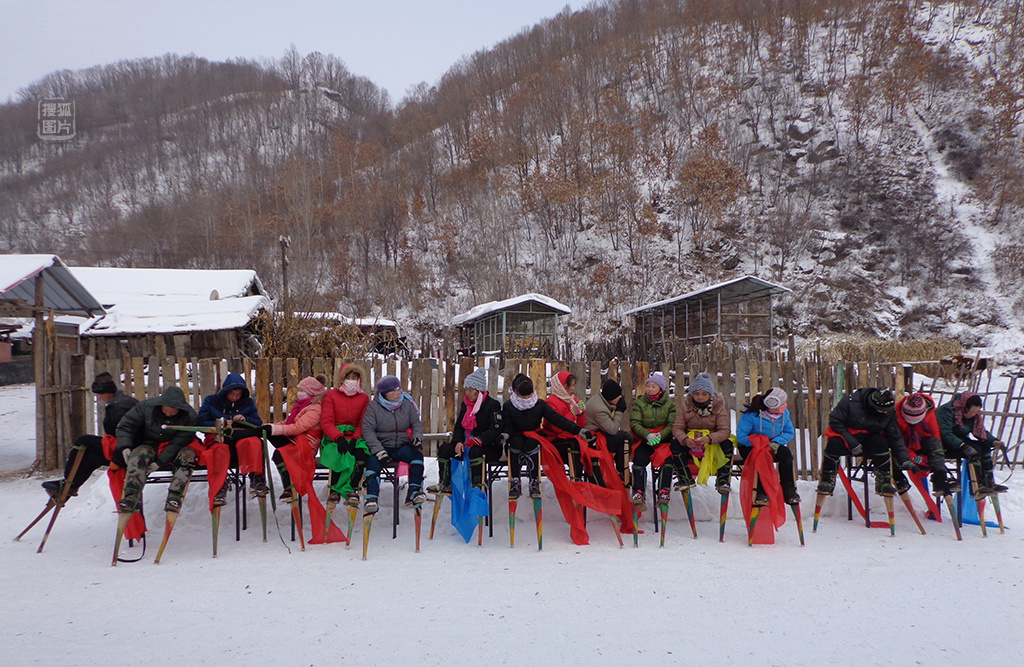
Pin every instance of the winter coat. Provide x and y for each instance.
(647, 415)
(217, 406)
(488, 422)
(340, 409)
(915, 434)
(391, 428)
(852, 414)
(602, 415)
(117, 408)
(306, 426)
(143, 424)
(515, 421)
(552, 432)
(718, 422)
(954, 436)
(780, 431)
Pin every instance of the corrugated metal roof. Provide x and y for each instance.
(740, 289)
(476, 312)
(61, 290)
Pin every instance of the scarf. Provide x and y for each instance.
(523, 404)
(770, 415)
(297, 408)
(472, 407)
(559, 390)
(960, 406)
(703, 409)
(351, 387)
(394, 405)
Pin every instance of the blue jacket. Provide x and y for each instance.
(779, 431)
(217, 406)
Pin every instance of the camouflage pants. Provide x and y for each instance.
(139, 460)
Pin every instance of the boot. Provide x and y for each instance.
(55, 487)
(685, 482)
(258, 488)
(535, 488)
(440, 489)
(415, 496)
(220, 499)
(352, 499)
(884, 485)
(723, 480)
(901, 482)
(173, 503)
(990, 482)
(760, 498)
(827, 482)
(371, 506)
(334, 497)
(639, 498)
(664, 496)
(515, 489)
(791, 497)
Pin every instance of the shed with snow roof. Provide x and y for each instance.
(523, 326)
(173, 312)
(739, 311)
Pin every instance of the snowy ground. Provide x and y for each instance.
(851, 596)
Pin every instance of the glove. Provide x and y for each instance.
(344, 444)
(383, 457)
(857, 450)
(653, 439)
(153, 467)
(967, 450)
(474, 442)
(910, 466)
(919, 460)
(125, 453)
(774, 446)
(267, 429)
(696, 449)
(588, 436)
(581, 405)
(417, 444)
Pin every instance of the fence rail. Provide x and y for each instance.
(435, 385)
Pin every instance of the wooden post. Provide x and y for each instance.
(538, 373)
(595, 378)
(277, 394)
(449, 394)
(813, 416)
(153, 377)
(263, 387)
(139, 378)
(291, 365)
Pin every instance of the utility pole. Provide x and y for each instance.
(285, 241)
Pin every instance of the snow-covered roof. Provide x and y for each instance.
(177, 316)
(747, 287)
(344, 319)
(62, 291)
(476, 312)
(116, 285)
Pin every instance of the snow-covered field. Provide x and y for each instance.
(851, 596)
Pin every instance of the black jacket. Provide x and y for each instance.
(515, 421)
(852, 413)
(488, 423)
(117, 408)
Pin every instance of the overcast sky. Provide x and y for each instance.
(394, 43)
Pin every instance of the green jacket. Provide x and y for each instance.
(954, 436)
(144, 424)
(647, 415)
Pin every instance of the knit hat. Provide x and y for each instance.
(610, 390)
(311, 386)
(658, 379)
(914, 408)
(881, 400)
(702, 383)
(104, 384)
(476, 380)
(775, 399)
(388, 384)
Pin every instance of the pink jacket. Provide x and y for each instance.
(305, 428)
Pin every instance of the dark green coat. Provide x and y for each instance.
(647, 415)
(953, 436)
(144, 424)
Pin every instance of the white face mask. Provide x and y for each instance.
(302, 395)
(351, 385)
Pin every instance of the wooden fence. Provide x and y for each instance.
(436, 386)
